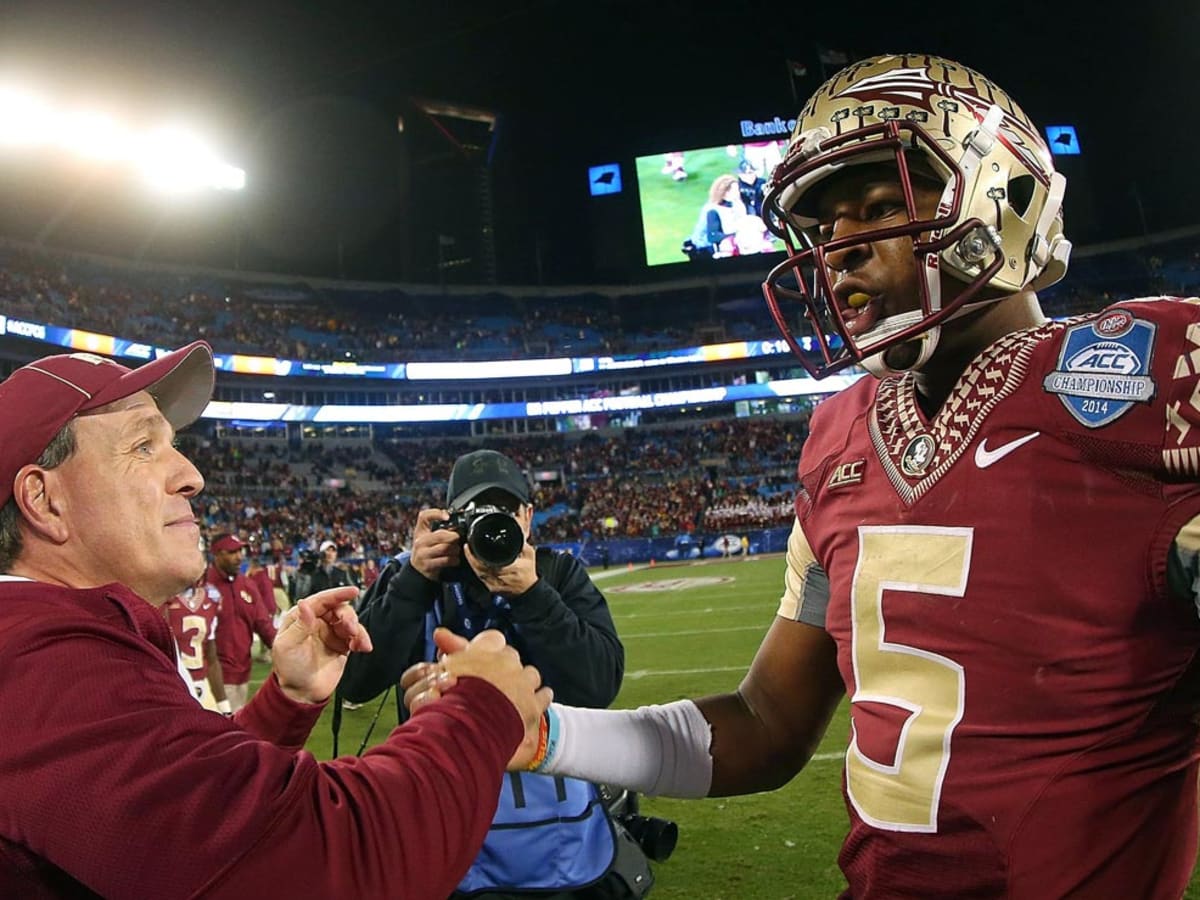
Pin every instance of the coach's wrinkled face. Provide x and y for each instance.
(125, 501)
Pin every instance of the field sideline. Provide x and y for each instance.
(691, 630)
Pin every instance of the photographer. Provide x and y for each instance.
(300, 583)
(328, 574)
(555, 834)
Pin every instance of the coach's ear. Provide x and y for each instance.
(38, 495)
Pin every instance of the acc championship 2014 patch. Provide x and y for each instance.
(1103, 368)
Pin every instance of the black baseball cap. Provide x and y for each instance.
(481, 470)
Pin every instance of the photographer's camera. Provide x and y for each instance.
(656, 837)
(492, 532)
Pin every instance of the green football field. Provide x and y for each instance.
(692, 630)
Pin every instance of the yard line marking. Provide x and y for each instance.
(639, 674)
(707, 609)
(827, 757)
(651, 634)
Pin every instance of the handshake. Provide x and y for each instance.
(487, 656)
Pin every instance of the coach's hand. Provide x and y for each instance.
(314, 638)
(486, 656)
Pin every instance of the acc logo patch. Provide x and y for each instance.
(846, 474)
(1103, 368)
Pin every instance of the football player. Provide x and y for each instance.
(240, 616)
(192, 615)
(996, 539)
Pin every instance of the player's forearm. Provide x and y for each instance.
(714, 747)
(747, 757)
(654, 750)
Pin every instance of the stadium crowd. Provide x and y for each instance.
(305, 322)
(634, 483)
(309, 323)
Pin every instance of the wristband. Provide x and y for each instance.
(539, 756)
(553, 738)
(224, 708)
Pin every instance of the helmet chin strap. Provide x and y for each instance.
(926, 342)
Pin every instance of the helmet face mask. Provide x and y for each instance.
(996, 224)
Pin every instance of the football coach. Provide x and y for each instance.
(116, 782)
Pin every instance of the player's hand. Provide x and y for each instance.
(434, 550)
(486, 656)
(314, 639)
(511, 581)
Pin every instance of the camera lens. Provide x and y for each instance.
(656, 837)
(496, 538)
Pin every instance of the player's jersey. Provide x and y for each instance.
(192, 616)
(1021, 684)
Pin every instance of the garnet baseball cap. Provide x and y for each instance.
(480, 470)
(38, 399)
(227, 542)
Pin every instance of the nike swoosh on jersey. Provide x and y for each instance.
(985, 457)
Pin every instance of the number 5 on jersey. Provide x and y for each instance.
(903, 795)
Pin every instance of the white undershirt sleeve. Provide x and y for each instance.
(660, 749)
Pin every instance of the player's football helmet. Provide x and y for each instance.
(998, 223)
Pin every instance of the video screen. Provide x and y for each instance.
(706, 203)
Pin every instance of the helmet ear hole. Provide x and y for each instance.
(1020, 194)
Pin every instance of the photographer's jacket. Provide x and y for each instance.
(561, 625)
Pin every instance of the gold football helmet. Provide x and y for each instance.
(998, 223)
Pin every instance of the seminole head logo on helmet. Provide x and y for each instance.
(996, 229)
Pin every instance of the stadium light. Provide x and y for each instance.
(25, 120)
(95, 136)
(175, 160)
(169, 158)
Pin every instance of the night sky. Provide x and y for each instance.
(306, 98)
